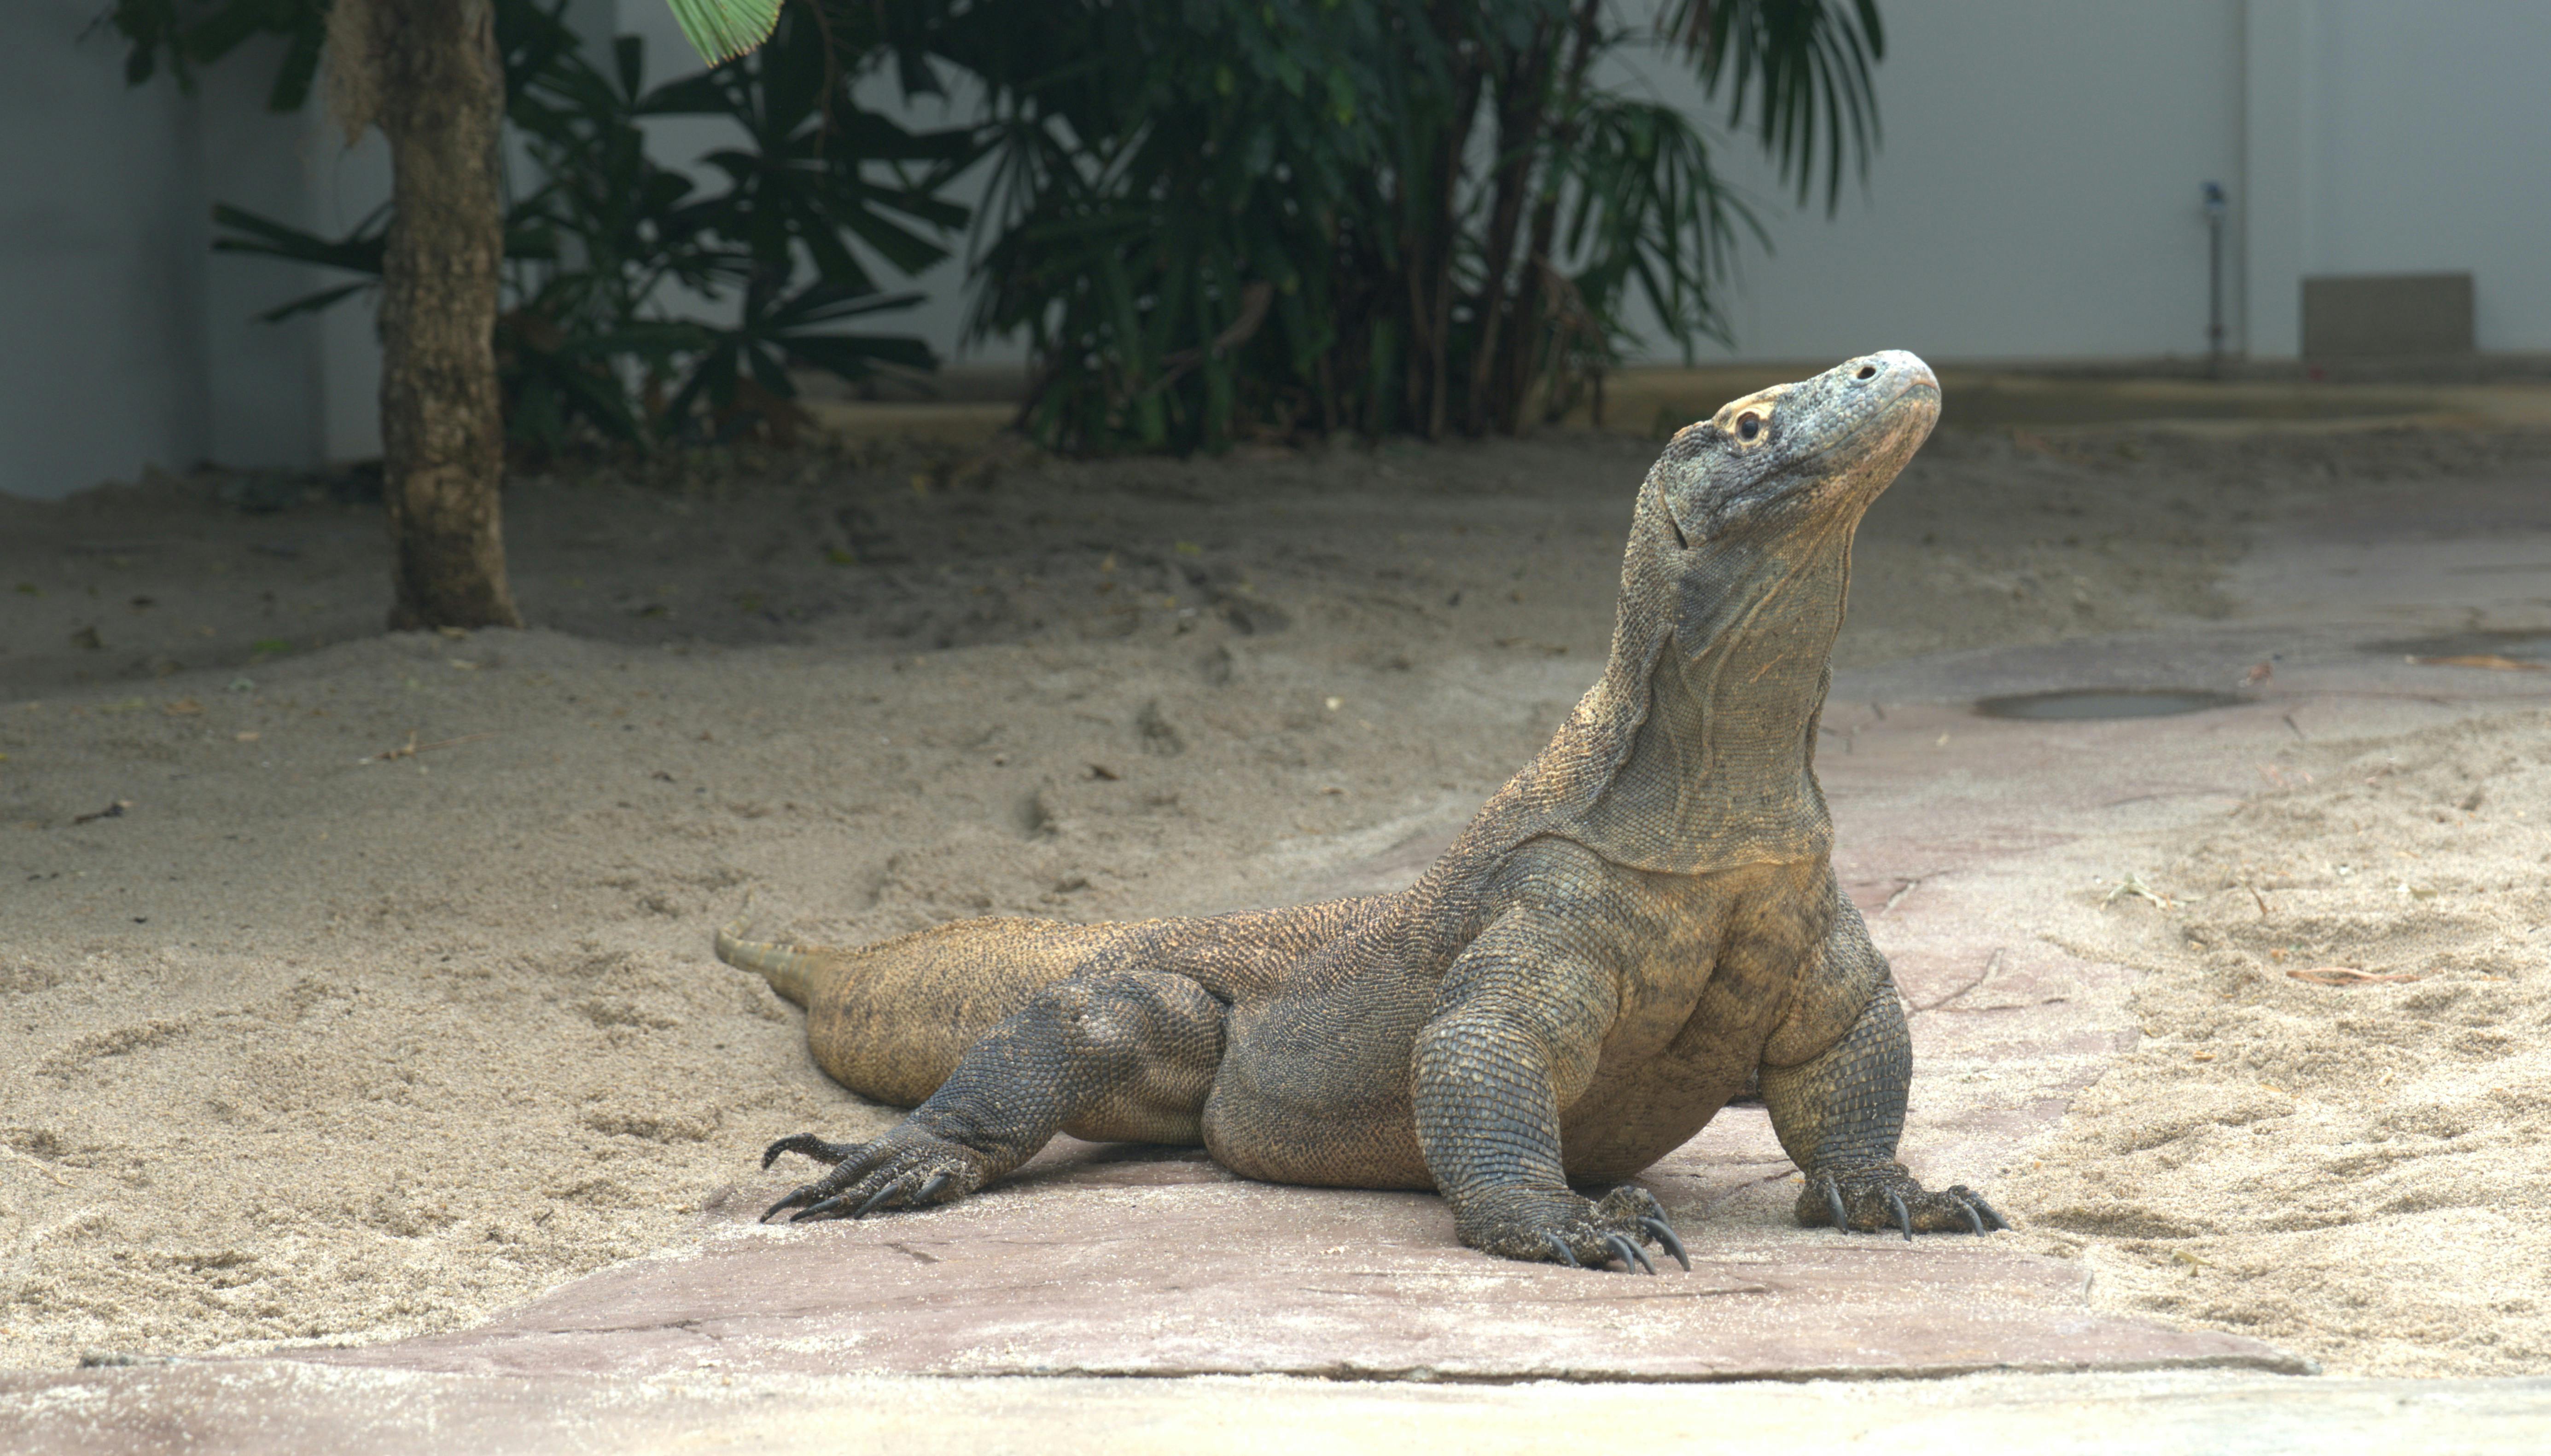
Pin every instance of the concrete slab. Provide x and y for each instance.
(286, 1409)
(1107, 1266)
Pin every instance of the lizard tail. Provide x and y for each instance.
(792, 972)
(890, 1020)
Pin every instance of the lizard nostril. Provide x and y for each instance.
(1867, 372)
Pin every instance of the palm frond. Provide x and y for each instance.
(1805, 69)
(722, 30)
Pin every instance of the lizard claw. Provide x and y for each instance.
(795, 1196)
(1559, 1227)
(1993, 1221)
(907, 1168)
(1875, 1197)
(1665, 1236)
(1632, 1257)
(890, 1191)
(830, 1204)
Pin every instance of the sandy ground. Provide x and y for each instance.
(2337, 1131)
(309, 1037)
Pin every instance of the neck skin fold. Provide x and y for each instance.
(1721, 770)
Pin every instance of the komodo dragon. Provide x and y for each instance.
(1638, 925)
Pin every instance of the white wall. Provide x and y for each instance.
(101, 256)
(2038, 193)
(130, 343)
(2429, 149)
(299, 393)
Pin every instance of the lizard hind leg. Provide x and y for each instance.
(1121, 1055)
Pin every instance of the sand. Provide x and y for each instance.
(2355, 1169)
(309, 1037)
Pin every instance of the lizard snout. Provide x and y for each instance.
(1891, 372)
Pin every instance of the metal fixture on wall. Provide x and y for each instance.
(2215, 207)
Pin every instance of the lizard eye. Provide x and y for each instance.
(1749, 426)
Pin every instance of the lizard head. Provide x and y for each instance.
(1700, 739)
(1805, 457)
(1762, 498)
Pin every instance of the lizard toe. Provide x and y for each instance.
(822, 1208)
(1974, 1221)
(907, 1168)
(1565, 1228)
(1663, 1233)
(1633, 1258)
(1994, 1222)
(804, 1193)
(890, 1191)
(810, 1145)
(1884, 1198)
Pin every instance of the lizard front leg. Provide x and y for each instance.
(1518, 1024)
(1122, 1056)
(1840, 1113)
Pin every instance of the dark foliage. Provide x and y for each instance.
(1215, 218)
(1209, 218)
(588, 345)
(190, 33)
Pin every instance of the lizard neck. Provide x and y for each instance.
(1722, 768)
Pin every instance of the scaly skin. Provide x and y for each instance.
(1640, 922)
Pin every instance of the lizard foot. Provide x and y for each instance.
(905, 1169)
(1885, 1196)
(1562, 1228)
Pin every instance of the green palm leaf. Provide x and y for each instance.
(721, 30)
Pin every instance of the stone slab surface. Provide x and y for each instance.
(1172, 1267)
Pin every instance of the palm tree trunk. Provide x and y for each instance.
(439, 99)
(1522, 106)
(1520, 355)
(1431, 170)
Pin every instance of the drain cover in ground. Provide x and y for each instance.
(2090, 703)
